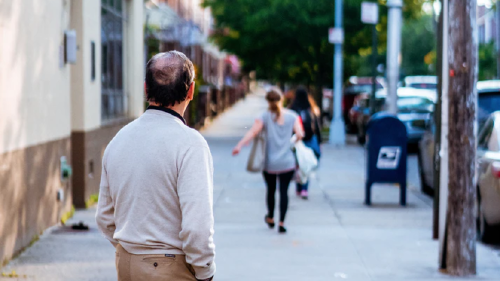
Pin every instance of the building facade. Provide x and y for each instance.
(71, 75)
(486, 24)
(185, 25)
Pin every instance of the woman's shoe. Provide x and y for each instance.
(304, 194)
(281, 229)
(270, 224)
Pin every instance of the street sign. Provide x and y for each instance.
(336, 35)
(369, 12)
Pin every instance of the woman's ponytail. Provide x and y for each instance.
(273, 96)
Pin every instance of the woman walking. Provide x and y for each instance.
(309, 113)
(279, 125)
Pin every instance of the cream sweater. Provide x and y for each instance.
(156, 192)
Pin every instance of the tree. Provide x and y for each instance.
(287, 40)
(487, 61)
(418, 46)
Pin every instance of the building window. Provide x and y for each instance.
(482, 34)
(113, 99)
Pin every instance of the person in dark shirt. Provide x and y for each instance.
(309, 115)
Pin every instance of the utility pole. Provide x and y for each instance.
(437, 121)
(374, 69)
(497, 19)
(337, 127)
(460, 234)
(393, 50)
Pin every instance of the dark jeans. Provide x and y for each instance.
(301, 187)
(271, 181)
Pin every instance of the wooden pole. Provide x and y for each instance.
(462, 54)
(437, 121)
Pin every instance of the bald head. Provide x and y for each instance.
(168, 78)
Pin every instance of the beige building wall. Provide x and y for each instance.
(90, 135)
(35, 122)
(34, 88)
(85, 92)
(49, 109)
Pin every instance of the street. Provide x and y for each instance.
(331, 236)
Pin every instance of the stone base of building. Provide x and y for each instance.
(87, 149)
(30, 194)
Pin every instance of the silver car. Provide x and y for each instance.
(488, 174)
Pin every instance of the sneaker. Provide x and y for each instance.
(304, 194)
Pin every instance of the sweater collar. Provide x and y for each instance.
(169, 111)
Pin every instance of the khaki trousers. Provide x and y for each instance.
(152, 267)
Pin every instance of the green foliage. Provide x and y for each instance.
(287, 40)
(153, 45)
(93, 199)
(487, 61)
(418, 46)
(66, 216)
(193, 106)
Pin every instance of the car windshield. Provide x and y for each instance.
(429, 86)
(362, 88)
(488, 102)
(414, 103)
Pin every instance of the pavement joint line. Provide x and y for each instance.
(342, 226)
(216, 201)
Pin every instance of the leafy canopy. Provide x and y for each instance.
(287, 40)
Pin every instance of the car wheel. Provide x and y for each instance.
(487, 233)
(427, 189)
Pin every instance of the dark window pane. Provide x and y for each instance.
(92, 60)
(112, 60)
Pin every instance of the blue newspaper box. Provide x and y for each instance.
(386, 153)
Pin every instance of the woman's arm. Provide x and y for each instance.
(250, 135)
(317, 129)
(298, 129)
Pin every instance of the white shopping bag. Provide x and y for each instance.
(306, 160)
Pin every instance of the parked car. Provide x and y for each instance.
(421, 82)
(488, 160)
(414, 110)
(488, 102)
(354, 87)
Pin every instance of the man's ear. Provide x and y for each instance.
(145, 90)
(190, 94)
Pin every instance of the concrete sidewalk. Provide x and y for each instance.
(331, 236)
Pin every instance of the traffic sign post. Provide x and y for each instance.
(369, 15)
(336, 35)
(369, 12)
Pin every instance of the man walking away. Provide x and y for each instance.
(156, 192)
